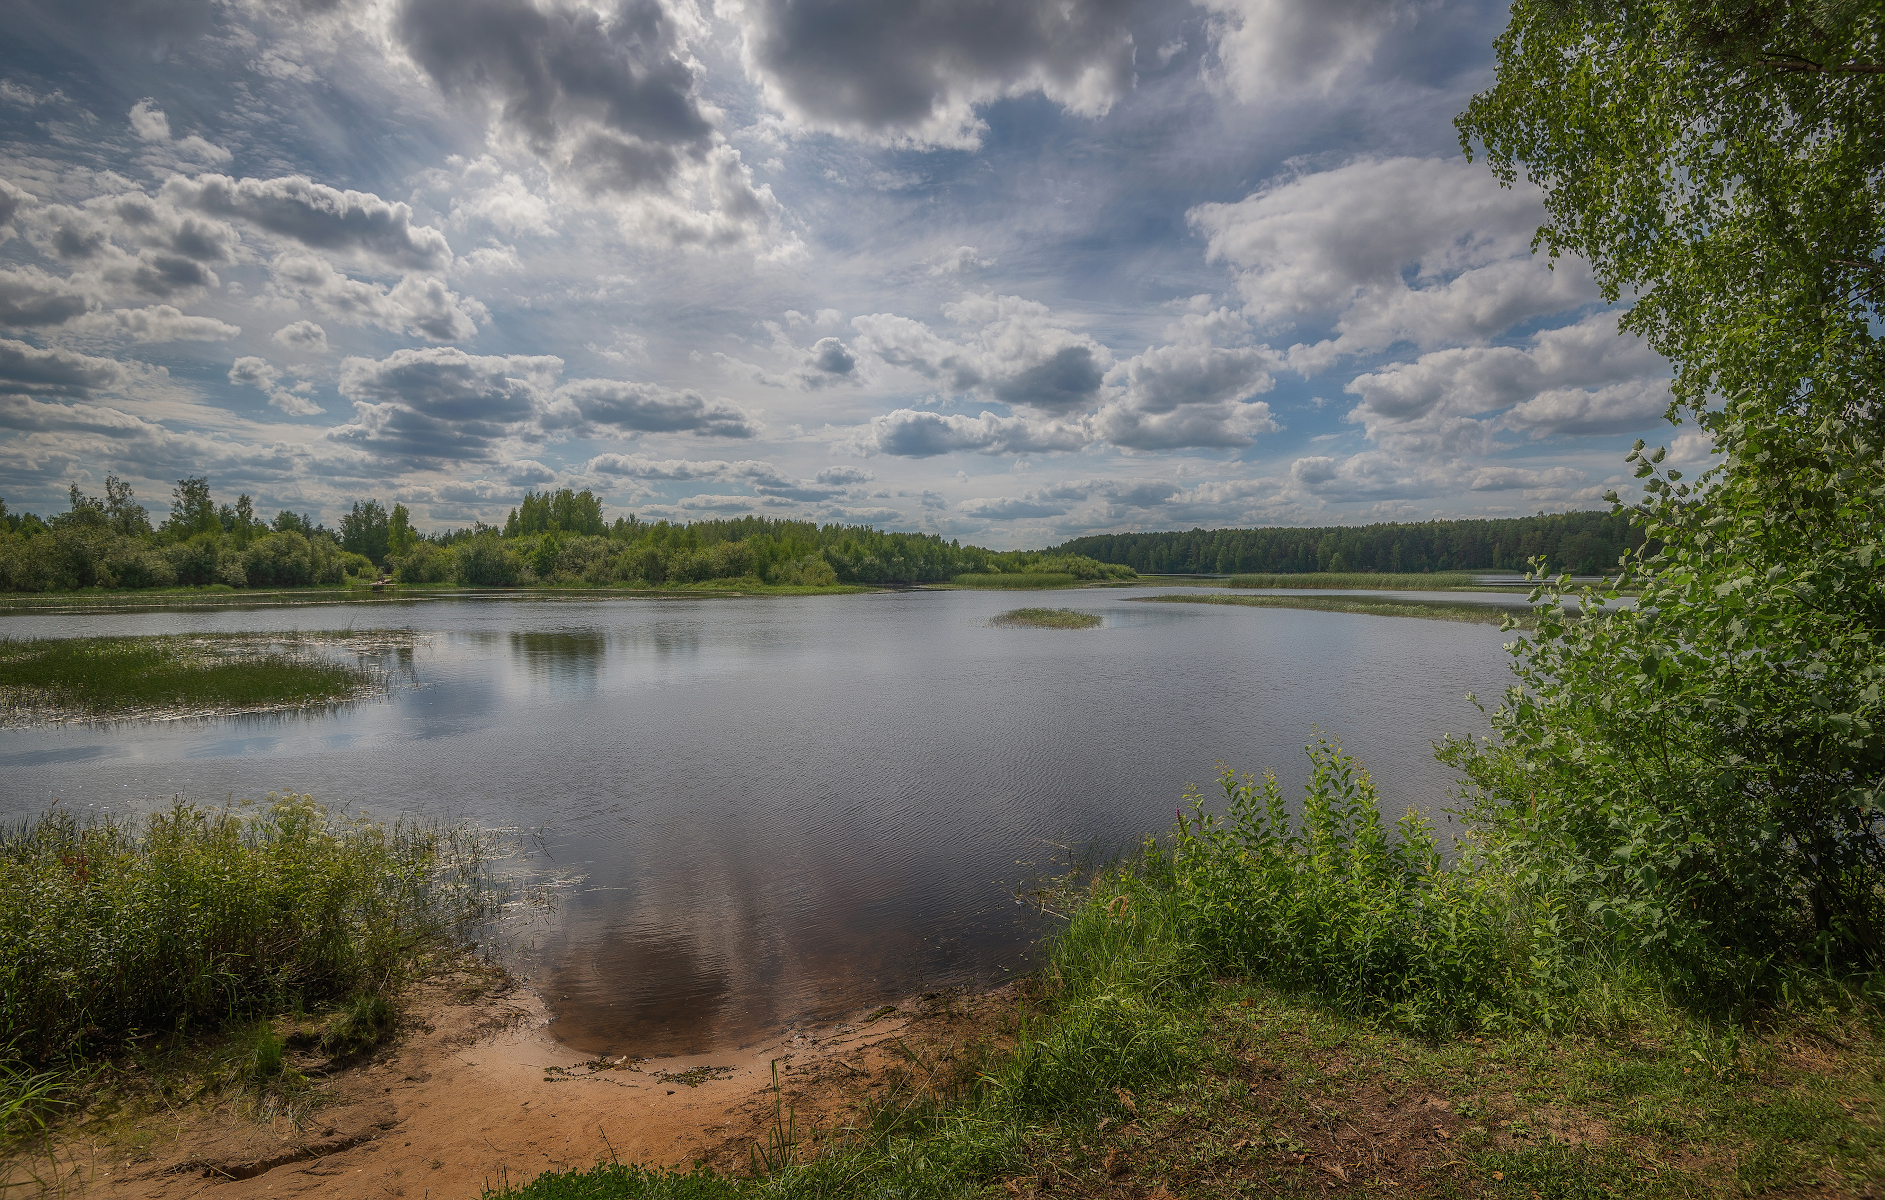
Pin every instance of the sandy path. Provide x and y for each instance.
(475, 1093)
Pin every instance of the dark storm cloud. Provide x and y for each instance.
(318, 216)
(611, 93)
(913, 68)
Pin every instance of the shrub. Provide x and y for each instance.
(1336, 905)
(195, 561)
(424, 563)
(488, 562)
(279, 560)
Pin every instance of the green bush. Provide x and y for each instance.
(1337, 905)
(488, 562)
(424, 563)
(278, 560)
(109, 929)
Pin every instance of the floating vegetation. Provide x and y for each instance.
(184, 675)
(1047, 618)
(695, 1076)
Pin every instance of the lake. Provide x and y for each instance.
(789, 807)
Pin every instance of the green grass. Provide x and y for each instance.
(1047, 618)
(103, 676)
(1376, 606)
(1018, 581)
(195, 920)
(1436, 581)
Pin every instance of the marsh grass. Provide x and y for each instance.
(117, 675)
(1374, 606)
(1436, 581)
(1016, 581)
(1047, 618)
(192, 920)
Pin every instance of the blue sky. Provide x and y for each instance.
(1006, 270)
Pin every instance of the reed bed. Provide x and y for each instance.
(114, 675)
(194, 917)
(1374, 606)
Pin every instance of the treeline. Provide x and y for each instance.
(109, 542)
(558, 537)
(561, 537)
(1581, 542)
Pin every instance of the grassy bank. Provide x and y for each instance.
(1016, 581)
(117, 935)
(1047, 618)
(125, 676)
(1377, 606)
(1173, 1047)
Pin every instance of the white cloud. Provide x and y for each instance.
(258, 373)
(1427, 251)
(159, 323)
(302, 337)
(1267, 46)
(418, 305)
(317, 216)
(915, 433)
(149, 122)
(1191, 391)
(26, 368)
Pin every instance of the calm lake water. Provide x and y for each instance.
(787, 807)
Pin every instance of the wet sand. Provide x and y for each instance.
(474, 1093)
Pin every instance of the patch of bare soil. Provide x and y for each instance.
(473, 1092)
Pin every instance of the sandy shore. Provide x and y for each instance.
(473, 1093)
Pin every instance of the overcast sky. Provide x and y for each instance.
(1008, 270)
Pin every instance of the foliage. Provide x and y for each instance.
(1581, 542)
(367, 529)
(1696, 783)
(488, 562)
(112, 674)
(196, 915)
(1336, 904)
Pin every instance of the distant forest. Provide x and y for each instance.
(1582, 542)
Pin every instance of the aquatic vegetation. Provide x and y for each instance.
(120, 675)
(191, 917)
(1047, 618)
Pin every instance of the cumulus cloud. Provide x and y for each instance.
(418, 305)
(159, 323)
(302, 337)
(258, 373)
(150, 125)
(1191, 391)
(317, 216)
(606, 101)
(764, 478)
(1267, 46)
(30, 297)
(1427, 251)
(26, 368)
(961, 260)
(13, 201)
(906, 71)
(1014, 351)
(440, 405)
(590, 406)
(917, 433)
(1437, 401)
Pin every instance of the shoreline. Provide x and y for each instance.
(473, 1092)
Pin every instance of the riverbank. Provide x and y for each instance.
(219, 595)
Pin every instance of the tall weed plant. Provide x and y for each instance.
(1337, 904)
(112, 929)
